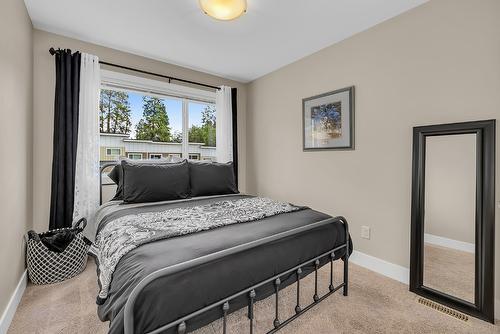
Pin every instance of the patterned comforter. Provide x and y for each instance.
(122, 235)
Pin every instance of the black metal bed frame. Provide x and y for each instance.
(250, 292)
(101, 170)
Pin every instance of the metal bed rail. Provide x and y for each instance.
(250, 292)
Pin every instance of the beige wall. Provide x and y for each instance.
(450, 187)
(44, 82)
(16, 148)
(437, 63)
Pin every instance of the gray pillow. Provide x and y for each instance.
(153, 182)
(116, 174)
(212, 178)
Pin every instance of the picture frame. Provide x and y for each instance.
(328, 121)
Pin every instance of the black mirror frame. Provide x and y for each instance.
(483, 306)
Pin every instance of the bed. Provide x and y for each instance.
(181, 282)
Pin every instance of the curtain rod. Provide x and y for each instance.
(52, 51)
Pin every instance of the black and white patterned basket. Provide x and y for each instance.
(47, 267)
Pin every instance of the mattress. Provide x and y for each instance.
(171, 297)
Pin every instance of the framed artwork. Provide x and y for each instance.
(328, 121)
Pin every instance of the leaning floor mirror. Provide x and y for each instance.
(453, 216)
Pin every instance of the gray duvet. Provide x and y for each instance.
(171, 297)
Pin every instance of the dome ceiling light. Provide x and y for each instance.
(224, 10)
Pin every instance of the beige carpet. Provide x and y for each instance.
(375, 304)
(450, 271)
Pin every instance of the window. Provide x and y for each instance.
(113, 152)
(147, 115)
(135, 156)
(194, 156)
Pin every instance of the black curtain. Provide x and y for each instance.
(65, 138)
(234, 103)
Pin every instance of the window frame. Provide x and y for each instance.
(163, 90)
(159, 155)
(156, 88)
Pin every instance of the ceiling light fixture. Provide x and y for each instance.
(224, 10)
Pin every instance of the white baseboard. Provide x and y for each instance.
(449, 243)
(10, 310)
(391, 270)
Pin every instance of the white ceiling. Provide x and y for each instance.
(272, 34)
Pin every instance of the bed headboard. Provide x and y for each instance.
(101, 170)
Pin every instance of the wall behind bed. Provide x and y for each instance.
(437, 63)
(44, 82)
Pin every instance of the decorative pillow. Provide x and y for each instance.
(153, 182)
(212, 178)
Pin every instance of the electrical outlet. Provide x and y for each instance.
(365, 232)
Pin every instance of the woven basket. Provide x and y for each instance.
(47, 267)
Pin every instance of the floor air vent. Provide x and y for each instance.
(443, 309)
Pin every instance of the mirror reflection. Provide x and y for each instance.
(449, 220)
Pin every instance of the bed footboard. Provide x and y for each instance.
(250, 292)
